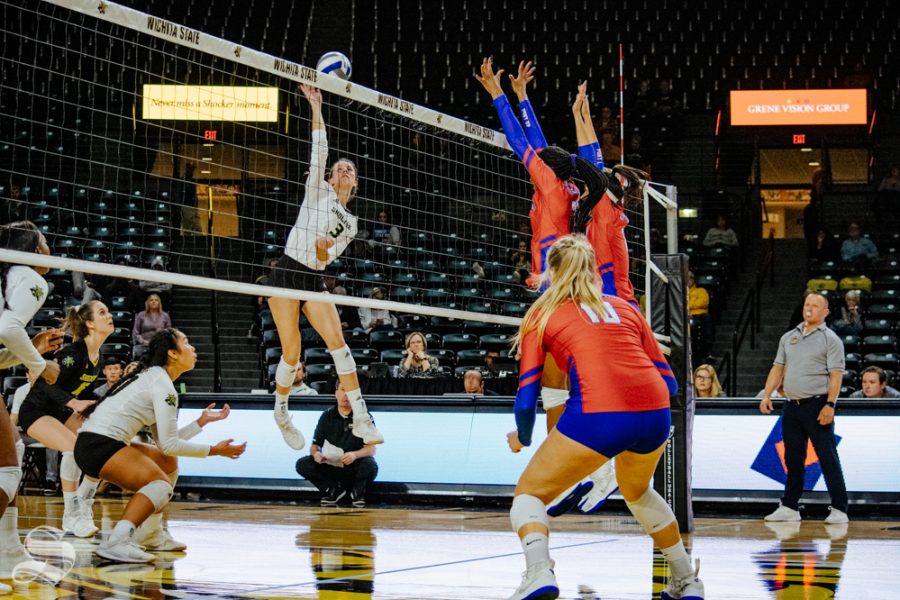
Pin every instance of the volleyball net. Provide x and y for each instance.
(134, 141)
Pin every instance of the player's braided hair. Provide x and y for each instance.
(21, 235)
(157, 355)
(631, 193)
(568, 166)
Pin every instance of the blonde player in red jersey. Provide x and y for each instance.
(618, 408)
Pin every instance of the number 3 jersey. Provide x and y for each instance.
(321, 215)
(77, 374)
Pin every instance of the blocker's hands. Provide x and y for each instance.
(520, 82)
(488, 79)
(313, 95)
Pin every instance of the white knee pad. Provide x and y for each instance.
(527, 509)
(68, 469)
(553, 397)
(651, 511)
(159, 492)
(20, 452)
(284, 374)
(9, 481)
(344, 364)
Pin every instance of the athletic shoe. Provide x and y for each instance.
(605, 485)
(586, 592)
(357, 501)
(784, 530)
(686, 588)
(77, 522)
(332, 497)
(783, 513)
(837, 531)
(570, 498)
(292, 436)
(159, 540)
(538, 583)
(10, 557)
(123, 551)
(5, 589)
(836, 516)
(364, 428)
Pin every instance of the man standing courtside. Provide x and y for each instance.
(810, 363)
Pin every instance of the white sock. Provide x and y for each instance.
(69, 500)
(536, 547)
(121, 532)
(9, 529)
(173, 478)
(281, 408)
(88, 488)
(360, 412)
(678, 560)
(150, 526)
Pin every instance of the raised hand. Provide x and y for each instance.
(580, 99)
(313, 95)
(520, 82)
(489, 79)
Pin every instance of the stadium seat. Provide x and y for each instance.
(472, 357)
(884, 311)
(460, 341)
(495, 341)
(121, 351)
(317, 356)
(877, 326)
(437, 279)
(887, 360)
(444, 325)
(386, 338)
(885, 296)
(852, 343)
(376, 278)
(434, 340)
(480, 307)
(365, 356)
(270, 339)
(404, 294)
(446, 357)
(479, 328)
(877, 344)
(120, 335)
(853, 361)
(392, 356)
(514, 309)
(356, 338)
(407, 323)
(122, 318)
(320, 372)
(846, 391)
(850, 377)
(48, 317)
(435, 296)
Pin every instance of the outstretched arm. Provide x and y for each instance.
(314, 96)
(588, 146)
(511, 126)
(526, 111)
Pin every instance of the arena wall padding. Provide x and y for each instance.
(669, 316)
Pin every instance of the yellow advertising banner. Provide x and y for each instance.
(799, 107)
(209, 103)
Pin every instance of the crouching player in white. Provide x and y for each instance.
(603, 339)
(105, 450)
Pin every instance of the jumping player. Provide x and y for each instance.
(105, 449)
(23, 291)
(618, 408)
(323, 229)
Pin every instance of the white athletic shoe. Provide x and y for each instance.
(159, 540)
(292, 436)
(123, 551)
(687, 588)
(364, 428)
(783, 513)
(538, 583)
(5, 589)
(836, 516)
(784, 530)
(570, 498)
(605, 485)
(76, 522)
(10, 558)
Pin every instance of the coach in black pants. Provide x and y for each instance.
(358, 463)
(810, 366)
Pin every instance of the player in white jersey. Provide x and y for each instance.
(105, 448)
(323, 229)
(22, 293)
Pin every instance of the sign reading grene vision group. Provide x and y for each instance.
(798, 107)
(209, 103)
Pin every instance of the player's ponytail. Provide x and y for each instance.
(157, 355)
(596, 182)
(23, 236)
(74, 324)
(631, 192)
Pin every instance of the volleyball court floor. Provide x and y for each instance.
(241, 550)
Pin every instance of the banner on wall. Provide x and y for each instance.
(209, 103)
(799, 107)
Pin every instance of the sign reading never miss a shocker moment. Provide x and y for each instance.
(799, 107)
(209, 103)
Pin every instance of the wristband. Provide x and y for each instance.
(830, 403)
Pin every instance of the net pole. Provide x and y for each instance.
(622, 105)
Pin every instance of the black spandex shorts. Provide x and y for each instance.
(30, 412)
(93, 450)
(293, 275)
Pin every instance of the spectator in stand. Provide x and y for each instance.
(887, 202)
(701, 321)
(851, 322)
(348, 315)
(520, 259)
(163, 290)
(706, 383)
(383, 233)
(376, 318)
(891, 183)
(353, 471)
(721, 235)
(812, 212)
(609, 146)
(608, 121)
(875, 385)
(113, 369)
(300, 388)
(824, 247)
(148, 322)
(856, 250)
(418, 364)
(473, 383)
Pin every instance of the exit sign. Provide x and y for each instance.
(799, 139)
(212, 135)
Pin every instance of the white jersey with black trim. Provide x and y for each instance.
(149, 400)
(24, 295)
(321, 215)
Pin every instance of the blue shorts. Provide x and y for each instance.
(611, 433)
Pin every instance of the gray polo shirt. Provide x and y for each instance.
(808, 359)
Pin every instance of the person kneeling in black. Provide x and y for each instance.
(357, 466)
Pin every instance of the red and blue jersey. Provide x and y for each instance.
(613, 361)
(551, 205)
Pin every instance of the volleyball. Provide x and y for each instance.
(335, 63)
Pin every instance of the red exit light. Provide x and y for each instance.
(799, 139)
(212, 135)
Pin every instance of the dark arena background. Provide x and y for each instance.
(163, 149)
